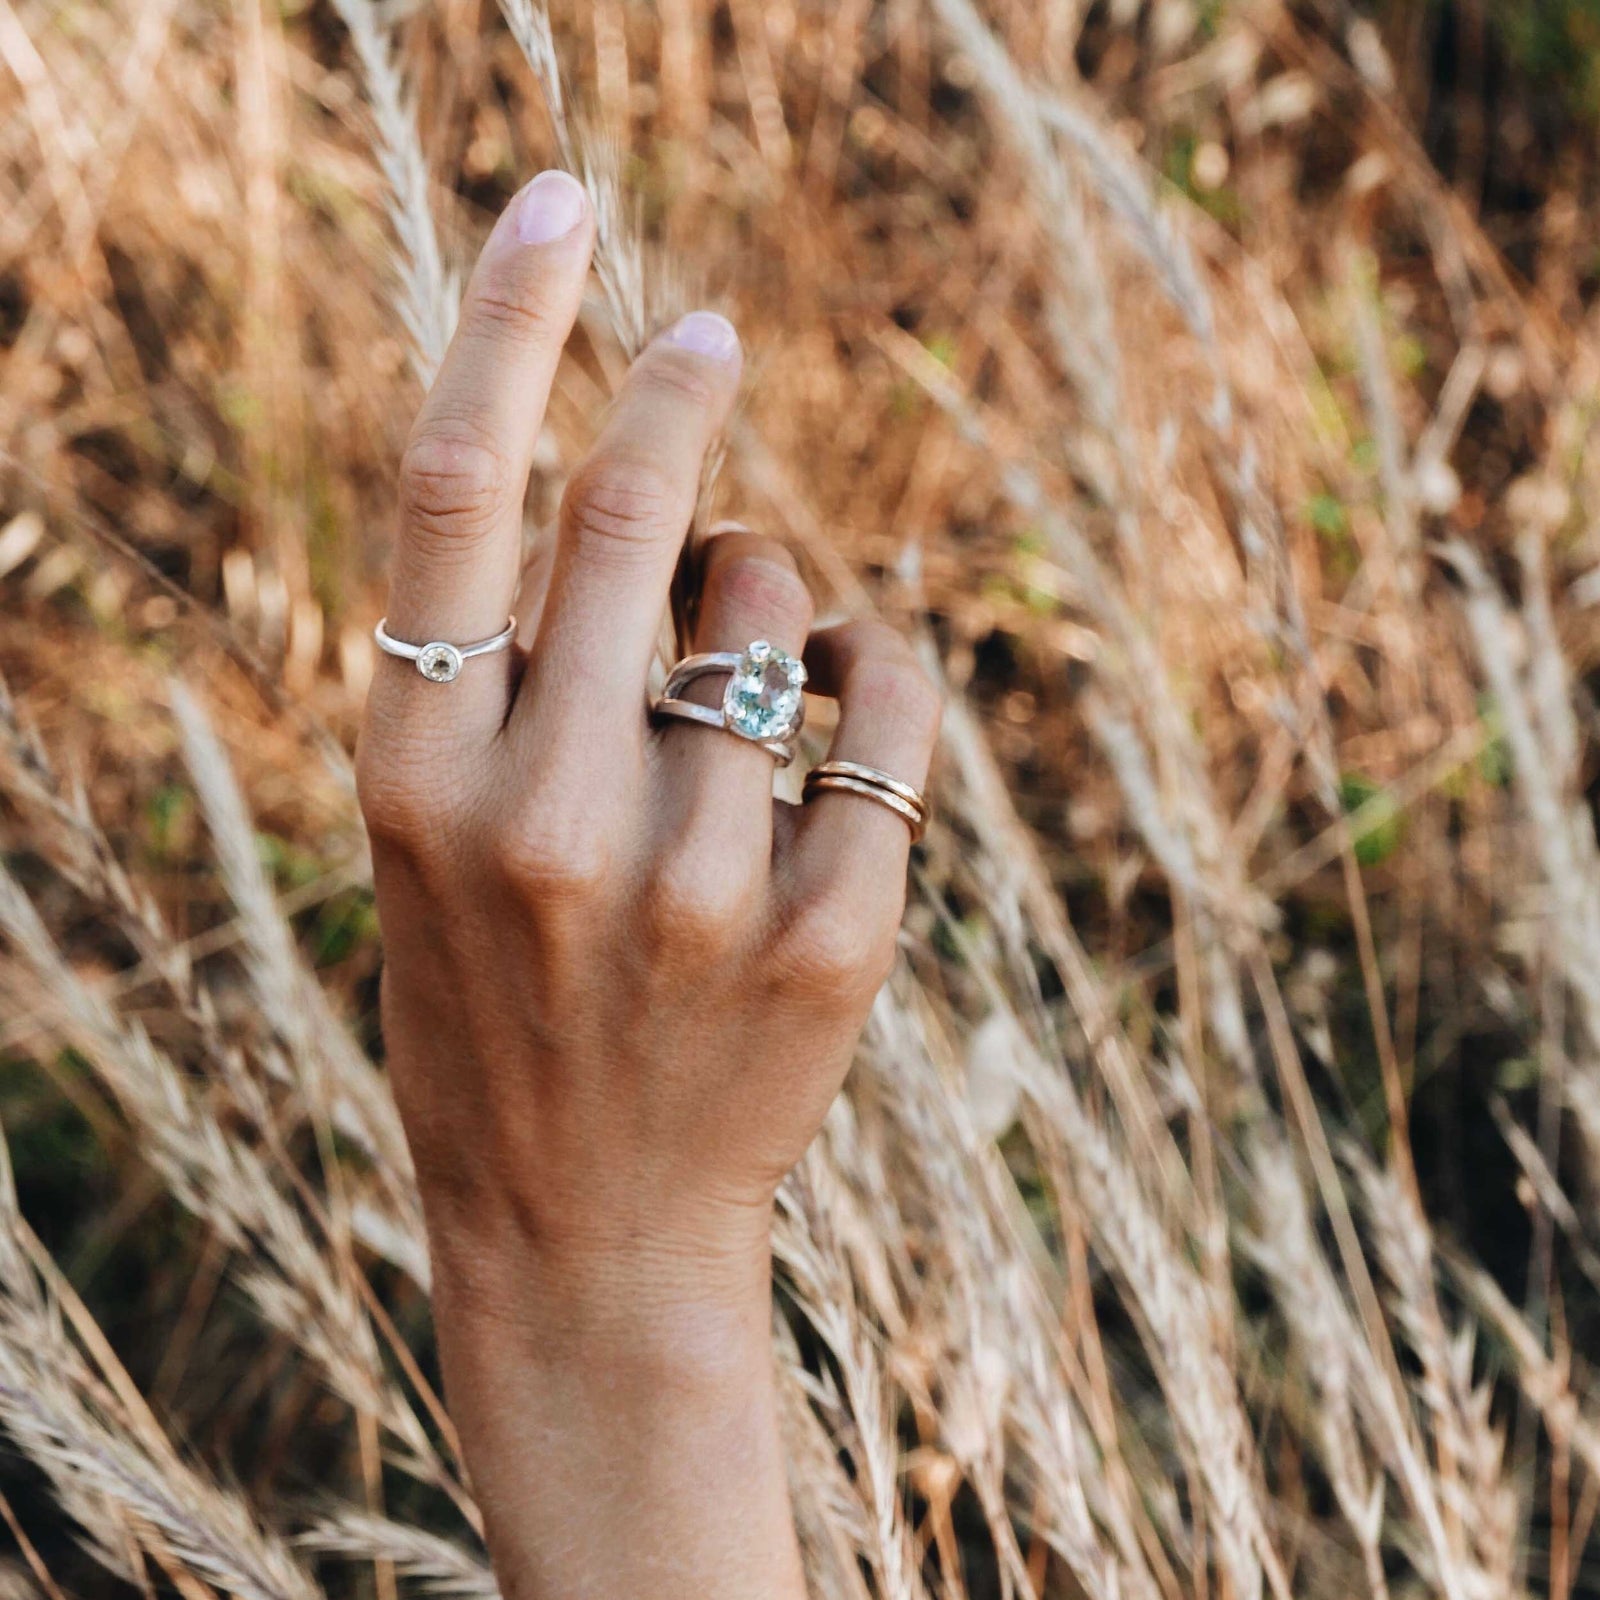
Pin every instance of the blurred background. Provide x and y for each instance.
(1210, 387)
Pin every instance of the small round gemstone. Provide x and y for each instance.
(439, 663)
(763, 699)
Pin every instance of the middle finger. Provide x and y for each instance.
(624, 517)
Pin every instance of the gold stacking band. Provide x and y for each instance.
(852, 777)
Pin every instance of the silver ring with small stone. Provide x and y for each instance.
(763, 702)
(438, 660)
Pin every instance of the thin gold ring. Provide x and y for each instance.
(913, 811)
(873, 775)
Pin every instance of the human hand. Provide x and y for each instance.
(622, 984)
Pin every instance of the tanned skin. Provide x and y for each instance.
(622, 984)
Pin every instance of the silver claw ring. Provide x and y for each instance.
(763, 702)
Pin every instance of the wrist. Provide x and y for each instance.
(618, 1444)
(662, 1306)
(613, 1415)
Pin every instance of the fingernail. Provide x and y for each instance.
(707, 334)
(551, 206)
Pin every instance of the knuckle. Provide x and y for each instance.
(758, 586)
(502, 313)
(694, 907)
(401, 817)
(554, 862)
(614, 501)
(896, 684)
(679, 378)
(830, 949)
(454, 482)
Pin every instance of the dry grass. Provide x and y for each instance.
(1213, 1208)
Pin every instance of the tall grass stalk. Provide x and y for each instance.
(1125, 1268)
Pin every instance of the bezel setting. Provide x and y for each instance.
(764, 697)
(439, 662)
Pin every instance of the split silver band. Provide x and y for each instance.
(763, 702)
(700, 666)
(781, 750)
(871, 783)
(438, 660)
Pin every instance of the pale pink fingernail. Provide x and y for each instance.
(707, 334)
(551, 207)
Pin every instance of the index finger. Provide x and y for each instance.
(464, 472)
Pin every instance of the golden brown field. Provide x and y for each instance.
(1210, 387)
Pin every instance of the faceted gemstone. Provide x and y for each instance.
(763, 698)
(439, 663)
